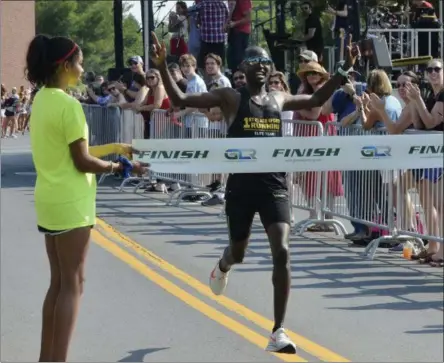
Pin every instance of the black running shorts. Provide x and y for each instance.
(273, 207)
(51, 232)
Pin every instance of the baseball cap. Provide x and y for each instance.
(310, 56)
(173, 67)
(136, 59)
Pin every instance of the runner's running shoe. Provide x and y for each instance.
(218, 280)
(280, 343)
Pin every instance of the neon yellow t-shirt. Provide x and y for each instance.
(65, 198)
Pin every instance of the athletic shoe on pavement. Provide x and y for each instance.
(218, 280)
(280, 343)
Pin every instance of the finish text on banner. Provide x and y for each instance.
(288, 154)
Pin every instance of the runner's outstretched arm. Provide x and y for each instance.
(322, 95)
(317, 99)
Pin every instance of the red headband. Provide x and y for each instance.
(69, 54)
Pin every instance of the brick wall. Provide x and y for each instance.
(17, 26)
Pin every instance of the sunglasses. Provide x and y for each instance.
(258, 60)
(111, 89)
(239, 78)
(275, 83)
(133, 63)
(303, 60)
(312, 73)
(401, 85)
(433, 69)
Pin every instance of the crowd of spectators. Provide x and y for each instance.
(358, 106)
(209, 26)
(15, 110)
(364, 105)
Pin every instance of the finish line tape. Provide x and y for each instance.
(291, 154)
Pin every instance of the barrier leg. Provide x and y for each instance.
(372, 247)
(103, 177)
(129, 180)
(193, 192)
(301, 227)
(141, 184)
(173, 195)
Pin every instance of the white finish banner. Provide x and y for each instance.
(288, 154)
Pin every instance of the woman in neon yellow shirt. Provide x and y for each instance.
(65, 190)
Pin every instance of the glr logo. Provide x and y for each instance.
(240, 154)
(376, 151)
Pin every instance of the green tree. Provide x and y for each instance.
(132, 33)
(90, 24)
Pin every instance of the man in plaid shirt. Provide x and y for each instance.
(213, 21)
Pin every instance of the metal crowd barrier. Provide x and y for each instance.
(112, 125)
(407, 42)
(395, 205)
(103, 123)
(192, 126)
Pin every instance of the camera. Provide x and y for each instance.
(89, 78)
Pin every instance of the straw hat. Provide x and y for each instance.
(312, 67)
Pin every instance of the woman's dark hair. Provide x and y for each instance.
(104, 85)
(4, 91)
(45, 55)
(34, 92)
(307, 3)
(139, 79)
(183, 6)
(413, 76)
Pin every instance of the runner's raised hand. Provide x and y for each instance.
(352, 54)
(158, 51)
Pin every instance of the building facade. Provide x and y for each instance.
(17, 28)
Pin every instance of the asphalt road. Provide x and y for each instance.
(147, 298)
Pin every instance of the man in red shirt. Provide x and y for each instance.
(239, 30)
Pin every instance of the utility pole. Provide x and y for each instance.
(118, 33)
(280, 16)
(148, 27)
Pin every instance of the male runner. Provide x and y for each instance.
(252, 112)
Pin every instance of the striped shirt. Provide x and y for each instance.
(213, 18)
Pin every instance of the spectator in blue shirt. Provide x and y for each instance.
(379, 83)
(343, 105)
(372, 204)
(110, 95)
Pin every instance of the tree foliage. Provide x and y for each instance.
(91, 25)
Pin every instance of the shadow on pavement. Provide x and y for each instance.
(318, 262)
(17, 163)
(139, 354)
(428, 329)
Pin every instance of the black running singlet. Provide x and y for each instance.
(430, 102)
(256, 121)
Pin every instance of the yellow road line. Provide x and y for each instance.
(303, 343)
(231, 324)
